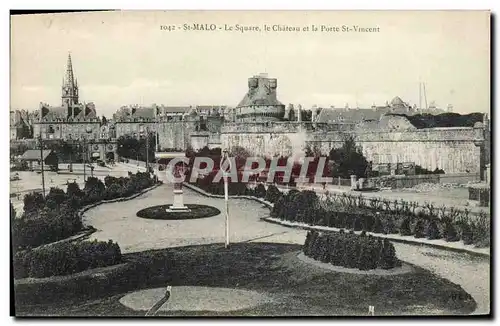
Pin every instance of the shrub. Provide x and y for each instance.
(378, 227)
(357, 224)
(388, 258)
(306, 248)
(419, 229)
(74, 190)
(67, 258)
(33, 201)
(50, 226)
(350, 250)
(57, 217)
(260, 191)
(405, 228)
(272, 193)
(467, 235)
(433, 230)
(450, 233)
(390, 226)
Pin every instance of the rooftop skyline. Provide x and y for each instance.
(123, 58)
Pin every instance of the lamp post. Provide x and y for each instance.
(41, 164)
(142, 133)
(226, 195)
(88, 130)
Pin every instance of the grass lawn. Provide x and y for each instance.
(297, 288)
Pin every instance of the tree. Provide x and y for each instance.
(348, 160)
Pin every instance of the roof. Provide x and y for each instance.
(397, 101)
(143, 112)
(174, 109)
(34, 154)
(329, 115)
(261, 95)
(54, 112)
(210, 107)
(80, 111)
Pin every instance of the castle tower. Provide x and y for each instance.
(260, 103)
(70, 86)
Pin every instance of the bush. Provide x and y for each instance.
(467, 235)
(350, 250)
(357, 224)
(419, 229)
(450, 233)
(33, 201)
(390, 226)
(57, 217)
(55, 197)
(433, 230)
(64, 259)
(388, 258)
(260, 191)
(272, 194)
(405, 228)
(50, 226)
(378, 227)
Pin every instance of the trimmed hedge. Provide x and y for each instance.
(57, 216)
(379, 216)
(65, 259)
(351, 250)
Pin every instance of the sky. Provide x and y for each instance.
(123, 58)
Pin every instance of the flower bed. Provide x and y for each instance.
(351, 250)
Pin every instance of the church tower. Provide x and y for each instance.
(69, 87)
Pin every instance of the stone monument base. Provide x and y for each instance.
(176, 209)
(178, 205)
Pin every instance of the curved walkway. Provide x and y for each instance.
(118, 221)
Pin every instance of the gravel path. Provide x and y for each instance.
(118, 221)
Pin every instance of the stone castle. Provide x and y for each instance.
(263, 125)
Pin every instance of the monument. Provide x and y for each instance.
(178, 172)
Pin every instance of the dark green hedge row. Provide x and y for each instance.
(351, 250)
(66, 258)
(305, 207)
(56, 216)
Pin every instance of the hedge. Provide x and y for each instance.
(66, 258)
(57, 216)
(351, 250)
(381, 216)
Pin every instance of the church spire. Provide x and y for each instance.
(69, 71)
(69, 87)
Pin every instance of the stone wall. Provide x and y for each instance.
(454, 150)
